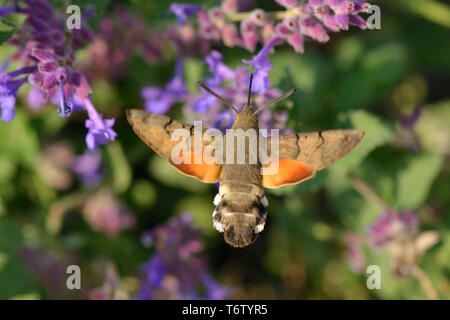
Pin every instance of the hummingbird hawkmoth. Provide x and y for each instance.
(240, 212)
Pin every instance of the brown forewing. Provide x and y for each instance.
(319, 149)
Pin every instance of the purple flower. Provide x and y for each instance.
(221, 72)
(9, 85)
(215, 63)
(313, 17)
(49, 270)
(159, 100)
(409, 121)
(36, 98)
(100, 131)
(49, 72)
(8, 90)
(47, 56)
(262, 66)
(104, 213)
(176, 270)
(288, 3)
(354, 254)
(4, 11)
(183, 11)
(88, 168)
(391, 224)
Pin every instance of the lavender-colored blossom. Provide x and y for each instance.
(262, 66)
(46, 53)
(184, 11)
(9, 85)
(36, 98)
(88, 168)
(409, 121)
(4, 11)
(354, 254)
(104, 213)
(111, 288)
(176, 270)
(100, 130)
(314, 19)
(120, 34)
(390, 224)
(159, 100)
(50, 271)
(233, 86)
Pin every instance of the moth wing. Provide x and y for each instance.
(311, 152)
(156, 131)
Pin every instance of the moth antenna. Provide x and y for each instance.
(250, 89)
(228, 103)
(283, 96)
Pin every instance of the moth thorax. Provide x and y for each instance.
(241, 217)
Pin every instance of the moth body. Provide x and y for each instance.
(240, 213)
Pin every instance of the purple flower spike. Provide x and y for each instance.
(105, 213)
(409, 121)
(217, 67)
(4, 11)
(8, 90)
(288, 3)
(88, 168)
(176, 270)
(159, 100)
(36, 98)
(354, 253)
(7, 104)
(262, 65)
(100, 131)
(184, 11)
(391, 224)
(357, 21)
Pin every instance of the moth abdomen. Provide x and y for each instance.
(240, 216)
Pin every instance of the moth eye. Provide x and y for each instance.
(264, 201)
(217, 200)
(259, 228)
(218, 226)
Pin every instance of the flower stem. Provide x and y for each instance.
(425, 283)
(366, 191)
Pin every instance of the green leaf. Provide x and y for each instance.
(11, 236)
(7, 29)
(415, 180)
(377, 134)
(19, 141)
(193, 71)
(121, 170)
(15, 279)
(433, 130)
